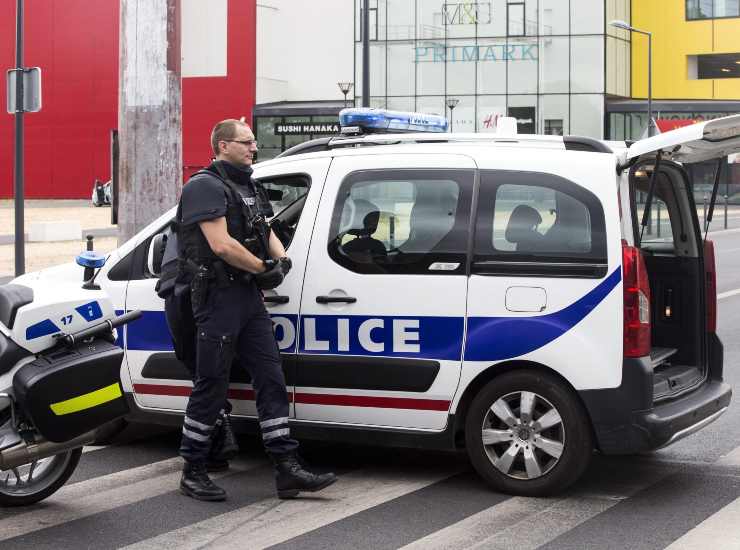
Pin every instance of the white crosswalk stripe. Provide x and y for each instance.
(516, 522)
(271, 521)
(526, 523)
(104, 493)
(719, 530)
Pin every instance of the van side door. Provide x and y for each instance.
(545, 285)
(383, 306)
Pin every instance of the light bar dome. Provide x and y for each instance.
(90, 258)
(367, 119)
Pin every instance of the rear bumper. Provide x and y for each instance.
(625, 420)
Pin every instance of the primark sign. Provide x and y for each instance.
(439, 53)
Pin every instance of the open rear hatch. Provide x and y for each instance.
(678, 259)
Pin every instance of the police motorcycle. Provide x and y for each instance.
(59, 380)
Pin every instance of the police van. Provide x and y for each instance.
(528, 298)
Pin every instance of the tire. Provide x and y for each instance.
(59, 468)
(535, 454)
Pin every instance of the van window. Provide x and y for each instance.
(534, 219)
(402, 221)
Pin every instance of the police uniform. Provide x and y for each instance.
(229, 312)
(175, 291)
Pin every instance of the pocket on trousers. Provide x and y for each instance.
(215, 354)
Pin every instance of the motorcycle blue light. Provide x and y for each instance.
(90, 258)
(377, 120)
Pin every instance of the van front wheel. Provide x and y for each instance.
(527, 434)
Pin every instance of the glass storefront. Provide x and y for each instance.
(542, 61)
(278, 127)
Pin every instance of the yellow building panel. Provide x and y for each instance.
(727, 35)
(674, 39)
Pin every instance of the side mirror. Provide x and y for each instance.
(156, 253)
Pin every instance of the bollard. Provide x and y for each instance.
(658, 214)
(726, 199)
(704, 215)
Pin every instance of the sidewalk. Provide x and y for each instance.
(94, 221)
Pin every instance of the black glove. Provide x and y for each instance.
(271, 277)
(287, 264)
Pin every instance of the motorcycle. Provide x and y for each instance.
(59, 382)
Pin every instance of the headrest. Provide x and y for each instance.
(522, 222)
(365, 218)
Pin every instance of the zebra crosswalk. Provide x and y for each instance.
(384, 499)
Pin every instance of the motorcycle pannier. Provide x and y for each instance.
(67, 392)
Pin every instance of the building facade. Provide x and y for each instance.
(552, 64)
(695, 65)
(68, 141)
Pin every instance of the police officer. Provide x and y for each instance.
(225, 239)
(174, 287)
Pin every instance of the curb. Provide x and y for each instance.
(100, 232)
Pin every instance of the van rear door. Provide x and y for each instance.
(695, 143)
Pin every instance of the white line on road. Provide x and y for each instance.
(271, 521)
(527, 523)
(105, 493)
(730, 459)
(728, 294)
(720, 530)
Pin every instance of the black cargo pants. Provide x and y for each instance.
(232, 322)
(179, 314)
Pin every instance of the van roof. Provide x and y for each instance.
(359, 144)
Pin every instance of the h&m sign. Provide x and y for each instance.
(439, 53)
(466, 13)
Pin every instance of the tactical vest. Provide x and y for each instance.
(243, 223)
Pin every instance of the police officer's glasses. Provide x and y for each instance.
(247, 142)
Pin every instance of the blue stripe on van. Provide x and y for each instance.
(489, 338)
(497, 338)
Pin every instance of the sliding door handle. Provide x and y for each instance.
(277, 299)
(335, 300)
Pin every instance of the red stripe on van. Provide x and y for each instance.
(313, 398)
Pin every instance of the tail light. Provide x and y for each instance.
(636, 303)
(710, 280)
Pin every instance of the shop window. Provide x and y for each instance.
(554, 126)
(515, 19)
(402, 222)
(725, 65)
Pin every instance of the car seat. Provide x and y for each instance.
(364, 224)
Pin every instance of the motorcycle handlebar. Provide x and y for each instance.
(105, 326)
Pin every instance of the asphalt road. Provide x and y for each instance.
(684, 497)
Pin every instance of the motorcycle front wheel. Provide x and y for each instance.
(34, 482)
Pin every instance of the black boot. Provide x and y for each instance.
(224, 446)
(291, 478)
(196, 483)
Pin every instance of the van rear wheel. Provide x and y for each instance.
(527, 434)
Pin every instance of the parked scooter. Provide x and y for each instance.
(59, 381)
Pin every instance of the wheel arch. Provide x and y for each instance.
(494, 371)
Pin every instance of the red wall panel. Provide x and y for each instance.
(75, 42)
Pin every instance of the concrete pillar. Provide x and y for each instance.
(149, 112)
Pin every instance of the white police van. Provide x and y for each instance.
(496, 292)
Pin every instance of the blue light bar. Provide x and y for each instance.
(90, 258)
(367, 119)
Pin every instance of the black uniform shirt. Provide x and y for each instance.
(205, 198)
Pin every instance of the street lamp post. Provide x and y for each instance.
(345, 88)
(624, 26)
(451, 104)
